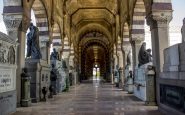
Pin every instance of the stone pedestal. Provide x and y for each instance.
(171, 81)
(8, 97)
(39, 71)
(60, 83)
(130, 85)
(126, 76)
(25, 91)
(144, 84)
(121, 79)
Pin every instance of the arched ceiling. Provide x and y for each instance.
(93, 27)
(95, 53)
(81, 16)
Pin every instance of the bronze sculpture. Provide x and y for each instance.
(33, 49)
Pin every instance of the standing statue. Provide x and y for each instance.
(128, 60)
(33, 49)
(144, 55)
(183, 31)
(54, 55)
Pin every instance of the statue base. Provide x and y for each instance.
(144, 84)
(26, 102)
(170, 83)
(39, 71)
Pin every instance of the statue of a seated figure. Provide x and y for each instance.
(144, 55)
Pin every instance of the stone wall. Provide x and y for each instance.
(171, 82)
(7, 75)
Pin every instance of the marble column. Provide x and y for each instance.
(45, 45)
(12, 22)
(159, 27)
(115, 61)
(136, 45)
(121, 77)
(121, 66)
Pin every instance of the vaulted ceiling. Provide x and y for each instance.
(76, 17)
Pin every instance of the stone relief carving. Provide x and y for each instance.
(7, 53)
(12, 23)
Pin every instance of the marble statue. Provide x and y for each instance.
(128, 59)
(144, 55)
(183, 31)
(54, 55)
(33, 49)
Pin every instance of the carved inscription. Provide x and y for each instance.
(6, 80)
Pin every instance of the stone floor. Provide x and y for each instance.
(91, 99)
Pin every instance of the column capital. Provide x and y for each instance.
(137, 40)
(12, 23)
(138, 37)
(127, 49)
(159, 18)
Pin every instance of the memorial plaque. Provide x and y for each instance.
(7, 80)
(172, 96)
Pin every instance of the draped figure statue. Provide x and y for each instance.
(144, 55)
(33, 49)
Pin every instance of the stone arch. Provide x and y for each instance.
(137, 27)
(88, 44)
(126, 45)
(137, 31)
(126, 33)
(57, 39)
(93, 26)
(41, 17)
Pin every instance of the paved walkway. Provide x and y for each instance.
(89, 99)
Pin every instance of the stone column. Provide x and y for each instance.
(136, 45)
(120, 63)
(121, 77)
(159, 26)
(45, 45)
(71, 67)
(12, 23)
